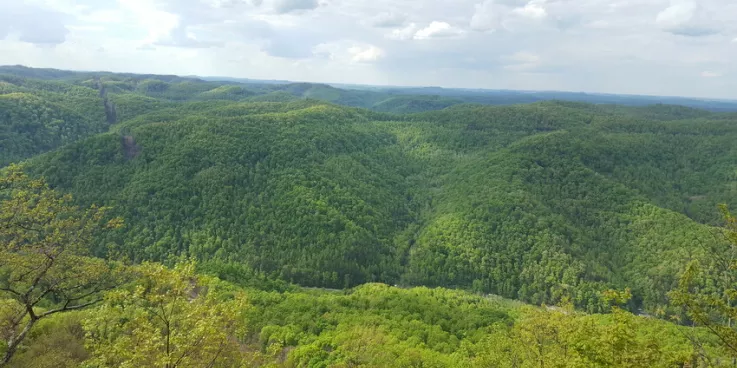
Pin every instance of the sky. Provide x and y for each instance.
(653, 47)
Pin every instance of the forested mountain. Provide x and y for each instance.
(37, 116)
(503, 97)
(536, 202)
(273, 185)
(62, 308)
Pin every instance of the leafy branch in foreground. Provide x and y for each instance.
(43, 267)
(707, 291)
(171, 318)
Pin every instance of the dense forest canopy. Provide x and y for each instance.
(271, 185)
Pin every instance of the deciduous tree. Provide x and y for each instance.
(44, 269)
(708, 289)
(171, 318)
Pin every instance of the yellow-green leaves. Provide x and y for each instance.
(707, 290)
(43, 243)
(563, 338)
(169, 319)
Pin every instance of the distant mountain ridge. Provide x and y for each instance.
(464, 95)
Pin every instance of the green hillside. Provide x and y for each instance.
(37, 116)
(350, 228)
(534, 202)
(90, 312)
(62, 308)
(413, 104)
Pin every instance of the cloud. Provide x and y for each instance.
(289, 6)
(349, 52)
(32, 24)
(710, 74)
(686, 18)
(594, 45)
(488, 16)
(279, 28)
(404, 33)
(156, 23)
(533, 10)
(513, 15)
(512, 3)
(182, 37)
(366, 54)
(438, 30)
(388, 20)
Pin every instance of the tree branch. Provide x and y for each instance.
(68, 308)
(9, 290)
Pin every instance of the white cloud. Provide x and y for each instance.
(157, 24)
(438, 30)
(181, 37)
(516, 16)
(349, 52)
(686, 18)
(533, 10)
(405, 33)
(710, 74)
(488, 16)
(593, 45)
(366, 54)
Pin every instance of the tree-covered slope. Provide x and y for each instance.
(37, 116)
(413, 104)
(63, 308)
(538, 202)
(233, 197)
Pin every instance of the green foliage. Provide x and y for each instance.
(376, 325)
(36, 121)
(413, 104)
(563, 338)
(537, 202)
(271, 185)
(55, 342)
(706, 291)
(168, 319)
(277, 96)
(43, 268)
(372, 325)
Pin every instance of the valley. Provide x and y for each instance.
(275, 189)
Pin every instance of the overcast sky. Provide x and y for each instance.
(662, 47)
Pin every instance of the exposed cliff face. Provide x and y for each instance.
(130, 147)
(110, 112)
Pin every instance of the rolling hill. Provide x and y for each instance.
(536, 202)
(308, 201)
